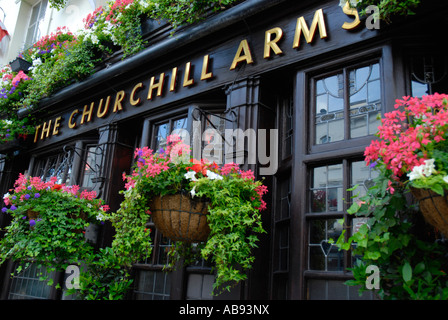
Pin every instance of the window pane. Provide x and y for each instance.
(322, 254)
(365, 100)
(28, 286)
(152, 285)
(161, 132)
(89, 168)
(361, 174)
(326, 192)
(329, 125)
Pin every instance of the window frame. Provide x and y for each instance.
(313, 77)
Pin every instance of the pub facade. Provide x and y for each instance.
(309, 78)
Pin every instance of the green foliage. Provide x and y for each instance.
(187, 11)
(72, 60)
(102, 277)
(234, 220)
(106, 275)
(411, 260)
(58, 4)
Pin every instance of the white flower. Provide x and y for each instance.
(424, 170)
(212, 176)
(445, 178)
(416, 173)
(100, 217)
(94, 39)
(429, 167)
(191, 175)
(6, 195)
(193, 191)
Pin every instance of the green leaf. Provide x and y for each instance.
(407, 272)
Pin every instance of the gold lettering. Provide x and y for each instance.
(272, 44)
(37, 131)
(132, 99)
(118, 100)
(350, 12)
(242, 54)
(102, 113)
(87, 113)
(158, 86)
(72, 124)
(204, 74)
(173, 79)
(45, 130)
(301, 26)
(187, 80)
(57, 124)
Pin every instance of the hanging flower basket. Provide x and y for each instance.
(434, 208)
(181, 218)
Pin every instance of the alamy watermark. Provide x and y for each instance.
(373, 278)
(72, 281)
(253, 147)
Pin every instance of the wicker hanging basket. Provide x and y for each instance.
(181, 218)
(434, 208)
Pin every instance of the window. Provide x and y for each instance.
(282, 193)
(90, 166)
(347, 104)
(428, 72)
(164, 129)
(37, 15)
(27, 285)
(344, 104)
(59, 165)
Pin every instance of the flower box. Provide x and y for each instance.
(20, 64)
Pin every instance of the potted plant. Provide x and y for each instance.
(117, 25)
(410, 157)
(232, 197)
(48, 223)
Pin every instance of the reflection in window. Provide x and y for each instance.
(37, 16)
(89, 168)
(330, 108)
(361, 175)
(363, 89)
(365, 100)
(163, 130)
(59, 165)
(326, 191)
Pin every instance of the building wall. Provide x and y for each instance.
(278, 92)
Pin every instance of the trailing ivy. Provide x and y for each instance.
(412, 260)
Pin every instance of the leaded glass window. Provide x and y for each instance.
(58, 165)
(350, 98)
